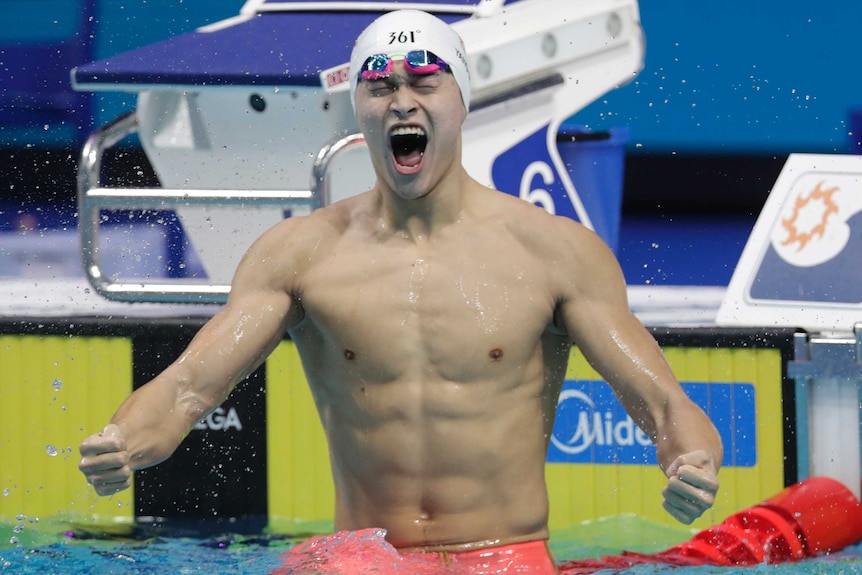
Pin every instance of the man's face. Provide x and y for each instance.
(412, 125)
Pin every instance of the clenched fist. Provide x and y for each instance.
(105, 461)
(691, 487)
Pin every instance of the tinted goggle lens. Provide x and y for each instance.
(423, 62)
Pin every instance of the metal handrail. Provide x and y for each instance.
(92, 198)
(320, 168)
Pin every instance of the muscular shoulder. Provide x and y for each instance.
(578, 264)
(285, 251)
(553, 238)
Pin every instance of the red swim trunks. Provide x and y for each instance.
(367, 551)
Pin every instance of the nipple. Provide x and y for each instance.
(349, 354)
(496, 354)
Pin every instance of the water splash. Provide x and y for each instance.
(416, 281)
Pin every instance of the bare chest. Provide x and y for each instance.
(442, 314)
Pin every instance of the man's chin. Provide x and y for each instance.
(410, 190)
(411, 193)
(407, 182)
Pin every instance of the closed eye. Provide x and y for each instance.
(380, 87)
(426, 82)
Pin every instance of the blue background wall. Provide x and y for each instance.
(754, 76)
(761, 77)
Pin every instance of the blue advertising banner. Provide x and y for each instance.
(592, 426)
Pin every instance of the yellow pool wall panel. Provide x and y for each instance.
(300, 487)
(55, 391)
(58, 389)
(586, 492)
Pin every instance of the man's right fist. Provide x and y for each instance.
(105, 461)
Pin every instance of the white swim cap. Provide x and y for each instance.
(404, 30)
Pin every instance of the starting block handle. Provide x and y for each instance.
(93, 198)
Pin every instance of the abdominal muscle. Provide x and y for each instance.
(439, 465)
(439, 440)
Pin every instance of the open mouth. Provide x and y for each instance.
(408, 145)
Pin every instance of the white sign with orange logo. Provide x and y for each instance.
(802, 265)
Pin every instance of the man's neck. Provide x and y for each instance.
(419, 218)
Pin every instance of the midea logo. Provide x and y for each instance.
(598, 429)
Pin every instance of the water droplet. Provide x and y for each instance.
(18, 528)
(57, 385)
(52, 451)
(6, 492)
(13, 540)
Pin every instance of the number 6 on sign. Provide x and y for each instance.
(538, 196)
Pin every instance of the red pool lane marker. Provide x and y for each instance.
(816, 516)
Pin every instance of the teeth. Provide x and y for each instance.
(408, 131)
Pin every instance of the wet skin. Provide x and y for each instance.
(434, 319)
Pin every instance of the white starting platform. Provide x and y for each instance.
(249, 118)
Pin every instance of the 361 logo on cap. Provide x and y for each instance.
(403, 37)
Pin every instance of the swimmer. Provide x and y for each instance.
(434, 318)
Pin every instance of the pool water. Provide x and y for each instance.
(48, 551)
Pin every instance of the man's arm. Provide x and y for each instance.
(595, 313)
(153, 421)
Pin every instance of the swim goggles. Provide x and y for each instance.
(421, 62)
